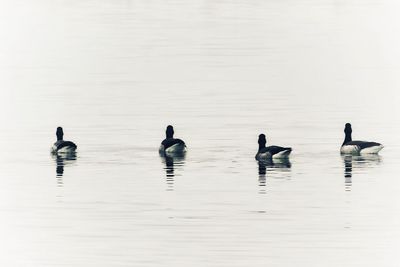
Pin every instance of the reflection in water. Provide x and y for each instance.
(348, 169)
(357, 162)
(172, 162)
(61, 161)
(272, 167)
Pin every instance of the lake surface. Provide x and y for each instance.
(115, 73)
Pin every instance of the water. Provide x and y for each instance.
(115, 73)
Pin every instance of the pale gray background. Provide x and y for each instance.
(115, 73)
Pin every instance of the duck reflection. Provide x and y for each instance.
(61, 161)
(357, 163)
(271, 166)
(172, 163)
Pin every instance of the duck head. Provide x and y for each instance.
(347, 132)
(261, 141)
(60, 133)
(169, 132)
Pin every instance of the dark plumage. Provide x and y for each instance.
(61, 145)
(362, 144)
(65, 144)
(270, 151)
(358, 147)
(170, 144)
(273, 150)
(167, 143)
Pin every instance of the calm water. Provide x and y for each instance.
(115, 73)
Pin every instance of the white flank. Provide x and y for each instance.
(371, 150)
(282, 154)
(350, 149)
(66, 149)
(177, 148)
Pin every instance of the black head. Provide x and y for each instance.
(60, 133)
(347, 129)
(261, 140)
(170, 131)
(347, 132)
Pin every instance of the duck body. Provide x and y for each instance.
(62, 146)
(361, 147)
(172, 145)
(358, 147)
(271, 152)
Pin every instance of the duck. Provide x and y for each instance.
(171, 145)
(358, 147)
(271, 152)
(62, 146)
